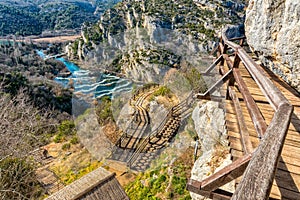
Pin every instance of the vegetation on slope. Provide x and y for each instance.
(183, 15)
(32, 17)
(32, 107)
(18, 179)
(164, 181)
(22, 68)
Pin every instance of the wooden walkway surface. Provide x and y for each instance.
(286, 184)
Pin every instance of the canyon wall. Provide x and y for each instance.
(272, 29)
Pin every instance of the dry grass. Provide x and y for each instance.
(218, 156)
(57, 39)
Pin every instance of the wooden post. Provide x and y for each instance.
(245, 138)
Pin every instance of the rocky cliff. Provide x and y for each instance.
(272, 29)
(137, 37)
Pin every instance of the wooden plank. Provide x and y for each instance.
(247, 146)
(259, 98)
(260, 173)
(284, 90)
(294, 125)
(289, 141)
(286, 94)
(275, 98)
(282, 165)
(265, 107)
(290, 154)
(256, 90)
(194, 186)
(282, 193)
(292, 138)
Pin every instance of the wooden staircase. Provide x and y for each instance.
(151, 146)
(137, 128)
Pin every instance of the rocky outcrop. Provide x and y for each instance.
(272, 30)
(209, 122)
(184, 27)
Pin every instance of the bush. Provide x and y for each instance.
(196, 80)
(162, 91)
(103, 111)
(66, 128)
(74, 140)
(66, 146)
(18, 179)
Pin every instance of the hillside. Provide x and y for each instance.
(33, 17)
(143, 39)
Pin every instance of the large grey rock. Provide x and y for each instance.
(209, 123)
(272, 29)
(209, 120)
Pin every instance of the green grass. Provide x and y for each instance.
(65, 130)
(163, 181)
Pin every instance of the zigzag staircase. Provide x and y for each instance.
(138, 126)
(151, 146)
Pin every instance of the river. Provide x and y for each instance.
(91, 84)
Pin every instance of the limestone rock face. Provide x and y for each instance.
(209, 122)
(273, 30)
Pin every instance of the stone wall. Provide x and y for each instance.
(272, 29)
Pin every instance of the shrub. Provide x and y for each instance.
(18, 179)
(103, 111)
(74, 140)
(66, 128)
(66, 146)
(162, 91)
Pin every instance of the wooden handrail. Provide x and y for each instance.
(272, 93)
(260, 172)
(225, 175)
(255, 114)
(259, 175)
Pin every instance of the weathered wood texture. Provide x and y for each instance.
(259, 175)
(98, 184)
(257, 118)
(245, 139)
(272, 93)
(225, 175)
(287, 177)
(272, 126)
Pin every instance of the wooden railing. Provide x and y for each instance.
(185, 103)
(257, 166)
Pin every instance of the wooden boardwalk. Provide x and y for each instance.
(263, 123)
(287, 178)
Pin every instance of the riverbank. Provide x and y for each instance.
(39, 39)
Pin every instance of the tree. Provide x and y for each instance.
(18, 179)
(23, 128)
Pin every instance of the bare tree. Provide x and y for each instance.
(22, 128)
